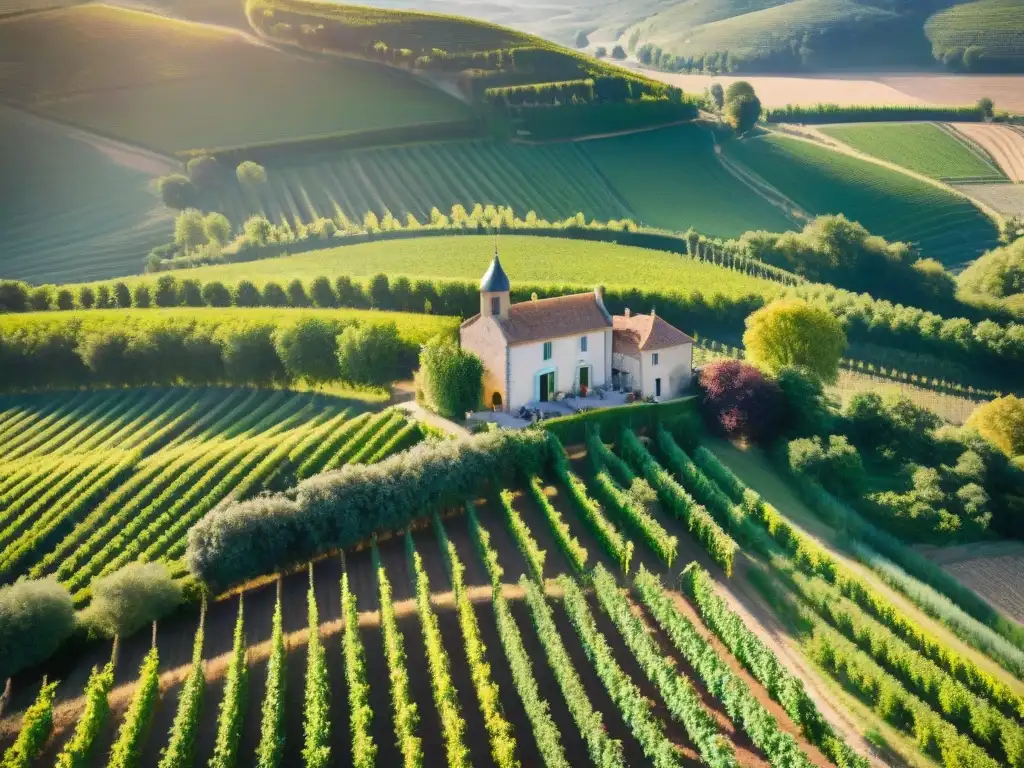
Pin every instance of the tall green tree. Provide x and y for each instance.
(791, 332)
(308, 350)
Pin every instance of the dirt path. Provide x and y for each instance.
(1004, 145)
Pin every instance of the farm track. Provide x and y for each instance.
(1005, 145)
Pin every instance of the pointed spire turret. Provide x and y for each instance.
(495, 280)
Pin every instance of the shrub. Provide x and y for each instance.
(321, 293)
(743, 112)
(273, 295)
(618, 52)
(308, 349)
(191, 293)
(338, 509)
(738, 401)
(140, 296)
(450, 379)
(14, 296)
(217, 228)
(216, 295)
(245, 294)
(86, 297)
(369, 354)
(177, 191)
(166, 294)
(807, 408)
(204, 171)
(297, 294)
(251, 174)
(35, 618)
(836, 465)
(1001, 422)
(249, 353)
(41, 298)
(130, 598)
(189, 230)
(65, 300)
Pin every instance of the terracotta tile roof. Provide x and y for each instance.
(553, 318)
(634, 333)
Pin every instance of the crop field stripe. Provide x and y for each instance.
(603, 750)
(33, 417)
(171, 543)
(107, 411)
(314, 464)
(52, 496)
(29, 472)
(67, 510)
(40, 432)
(225, 411)
(200, 496)
(29, 489)
(677, 691)
(131, 427)
(380, 437)
(356, 441)
(159, 477)
(142, 486)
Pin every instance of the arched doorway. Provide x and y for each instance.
(496, 400)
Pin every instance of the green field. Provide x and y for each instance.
(526, 260)
(997, 26)
(72, 209)
(94, 480)
(922, 147)
(889, 203)
(171, 85)
(667, 178)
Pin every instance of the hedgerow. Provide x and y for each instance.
(272, 711)
(836, 113)
(316, 714)
(740, 703)
(127, 749)
(364, 750)
(604, 751)
(636, 710)
(78, 751)
(767, 669)
(614, 543)
(336, 510)
(232, 707)
(545, 731)
(181, 742)
(521, 532)
(709, 533)
(35, 730)
(406, 714)
(574, 552)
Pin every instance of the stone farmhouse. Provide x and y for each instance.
(539, 350)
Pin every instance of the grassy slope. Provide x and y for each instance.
(995, 25)
(146, 79)
(70, 210)
(921, 147)
(667, 178)
(671, 179)
(556, 181)
(416, 328)
(887, 202)
(526, 259)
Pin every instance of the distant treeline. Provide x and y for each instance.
(231, 347)
(834, 113)
(596, 119)
(605, 89)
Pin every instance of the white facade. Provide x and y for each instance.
(671, 366)
(568, 362)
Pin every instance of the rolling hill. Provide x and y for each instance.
(809, 35)
(145, 79)
(889, 203)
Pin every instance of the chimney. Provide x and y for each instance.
(627, 312)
